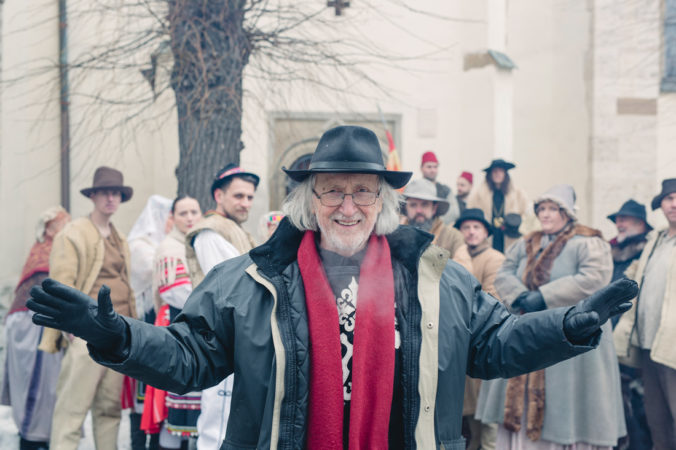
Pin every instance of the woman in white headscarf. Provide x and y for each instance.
(171, 288)
(145, 235)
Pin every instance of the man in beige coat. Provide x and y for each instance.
(485, 264)
(424, 209)
(645, 335)
(88, 253)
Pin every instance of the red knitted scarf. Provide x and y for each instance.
(373, 353)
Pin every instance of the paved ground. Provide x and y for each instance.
(9, 439)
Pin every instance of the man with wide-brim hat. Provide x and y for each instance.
(486, 261)
(632, 228)
(110, 179)
(87, 254)
(311, 371)
(497, 197)
(626, 248)
(645, 335)
(423, 210)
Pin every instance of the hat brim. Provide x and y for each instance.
(485, 223)
(396, 179)
(442, 205)
(613, 218)
(506, 166)
(221, 181)
(126, 192)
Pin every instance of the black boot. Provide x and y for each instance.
(25, 444)
(138, 436)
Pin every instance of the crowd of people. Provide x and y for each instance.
(264, 350)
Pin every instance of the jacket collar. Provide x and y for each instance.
(406, 245)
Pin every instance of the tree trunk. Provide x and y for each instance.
(210, 49)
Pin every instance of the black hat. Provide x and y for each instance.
(668, 187)
(632, 208)
(109, 178)
(473, 214)
(511, 225)
(228, 172)
(349, 149)
(501, 163)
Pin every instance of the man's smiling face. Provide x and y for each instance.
(345, 228)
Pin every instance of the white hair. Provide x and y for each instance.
(298, 207)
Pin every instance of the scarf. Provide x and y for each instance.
(537, 273)
(373, 357)
(36, 263)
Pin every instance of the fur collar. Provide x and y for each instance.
(539, 263)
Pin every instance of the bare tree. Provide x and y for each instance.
(207, 47)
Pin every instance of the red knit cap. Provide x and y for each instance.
(467, 176)
(429, 157)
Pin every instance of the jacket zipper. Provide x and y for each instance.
(288, 408)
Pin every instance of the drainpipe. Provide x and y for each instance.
(64, 105)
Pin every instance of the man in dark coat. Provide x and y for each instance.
(632, 228)
(626, 247)
(309, 372)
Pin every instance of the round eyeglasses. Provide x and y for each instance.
(335, 198)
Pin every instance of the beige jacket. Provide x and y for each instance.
(485, 264)
(516, 202)
(663, 350)
(227, 228)
(447, 237)
(76, 260)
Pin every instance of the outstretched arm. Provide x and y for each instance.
(504, 345)
(189, 355)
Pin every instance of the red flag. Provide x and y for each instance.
(393, 162)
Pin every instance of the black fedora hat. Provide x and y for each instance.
(668, 187)
(501, 163)
(228, 172)
(631, 208)
(109, 178)
(349, 149)
(473, 214)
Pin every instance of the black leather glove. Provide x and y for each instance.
(529, 301)
(584, 320)
(59, 306)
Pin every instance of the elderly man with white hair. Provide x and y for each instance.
(309, 371)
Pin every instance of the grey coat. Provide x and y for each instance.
(583, 401)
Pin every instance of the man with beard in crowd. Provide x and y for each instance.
(311, 373)
(423, 210)
(626, 247)
(632, 228)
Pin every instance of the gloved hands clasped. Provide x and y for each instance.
(584, 320)
(529, 301)
(64, 308)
